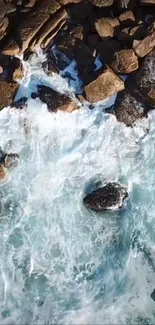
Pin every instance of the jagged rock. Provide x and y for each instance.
(107, 49)
(20, 103)
(127, 18)
(143, 47)
(82, 9)
(18, 73)
(48, 28)
(10, 160)
(104, 28)
(49, 65)
(147, 2)
(109, 197)
(26, 31)
(102, 3)
(105, 84)
(54, 100)
(7, 92)
(127, 109)
(124, 61)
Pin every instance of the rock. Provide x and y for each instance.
(127, 4)
(147, 2)
(7, 92)
(49, 66)
(105, 84)
(124, 61)
(10, 8)
(3, 174)
(127, 109)
(109, 197)
(2, 9)
(153, 295)
(26, 30)
(104, 28)
(102, 3)
(3, 27)
(20, 103)
(107, 49)
(1, 69)
(143, 47)
(47, 6)
(66, 2)
(127, 18)
(18, 73)
(82, 9)
(11, 160)
(78, 32)
(93, 40)
(128, 34)
(54, 100)
(48, 28)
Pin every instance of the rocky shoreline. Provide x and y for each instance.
(120, 33)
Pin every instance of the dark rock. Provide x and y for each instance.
(82, 9)
(20, 103)
(8, 91)
(49, 66)
(105, 84)
(143, 47)
(153, 295)
(3, 27)
(11, 160)
(93, 40)
(78, 32)
(102, 3)
(107, 49)
(127, 4)
(128, 109)
(124, 61)
(127, 18)
(54, 100)
(128, 34)
(109, 197)
(2, 9)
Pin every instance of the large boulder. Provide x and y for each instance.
(124, 61)
(109, 197)
(8, 90)
(143, 47)
(54, 100)
(105, 84)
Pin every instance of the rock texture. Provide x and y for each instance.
(143, 47)
(54, 100)
(108, 197)
(106, 84)
(124, 61)
(7, 92)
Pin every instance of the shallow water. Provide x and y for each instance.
(61, 263)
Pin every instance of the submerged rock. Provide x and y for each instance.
(2, 173)
(108, 197)
(54, 100)
(11, 160)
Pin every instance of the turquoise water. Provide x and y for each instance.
(61, 263)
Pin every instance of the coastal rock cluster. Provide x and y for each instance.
(120, 33)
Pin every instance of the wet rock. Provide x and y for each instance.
(51, 27)
(104, 28)
(128, 109)
(2, 173)
(20, 103)
(105, 84)
(11, 160)
(54, 100)
(18, 73)
(66, 2)
(127, 18)
(102, 3)
(8, 90)
(49, 66)
(153, 295)
(143, 47)
(124, 61)
(27, 29)
(109, 197)
(78, 32)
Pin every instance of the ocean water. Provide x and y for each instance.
(59, 262)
